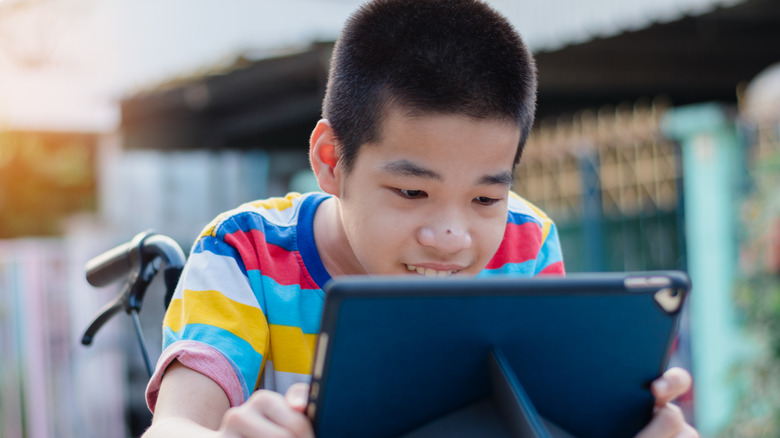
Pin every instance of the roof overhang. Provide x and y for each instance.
(694, 59)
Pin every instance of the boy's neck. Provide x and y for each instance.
(332, 244)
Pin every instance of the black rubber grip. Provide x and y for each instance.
(111, 265)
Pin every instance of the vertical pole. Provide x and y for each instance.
(139, 333)
(592, 213)
(11, 363)
(710, 158)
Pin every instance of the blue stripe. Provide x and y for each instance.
(244, 359)
(256, 283)
(282, 236)
(550, 252)
(524, 269)
(307, 248)
(288, 304)
(522, 218)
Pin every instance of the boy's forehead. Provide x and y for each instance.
(406, 136)
(395, 119)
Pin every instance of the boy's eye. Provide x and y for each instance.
(411, 194)
(484, 200)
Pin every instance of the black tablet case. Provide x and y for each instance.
(510, 357)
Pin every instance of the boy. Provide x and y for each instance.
(428, 106)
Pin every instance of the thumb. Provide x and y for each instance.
(674, 383)
(297, 396)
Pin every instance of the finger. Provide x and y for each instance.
(672, 384)
(245, 421)
(297, 396)
(667, 422)
(688, 432)
(276, 409)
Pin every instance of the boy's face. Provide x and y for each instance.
(430, 197)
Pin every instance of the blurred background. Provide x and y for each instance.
(657, 146)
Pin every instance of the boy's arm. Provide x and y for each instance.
(192, 405)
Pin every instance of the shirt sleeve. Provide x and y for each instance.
(549, 260)
(202, 358)
(215, 324)
(530, 245)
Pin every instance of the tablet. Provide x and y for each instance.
(416, 357)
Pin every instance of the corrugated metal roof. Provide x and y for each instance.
(545, 25)
(550, 24)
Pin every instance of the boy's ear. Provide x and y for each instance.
(324, 157)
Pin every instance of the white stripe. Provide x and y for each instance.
(199, 274)
(520, 205)
(283, 218)
(281, 381)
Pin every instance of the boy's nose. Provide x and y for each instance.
(445, 238)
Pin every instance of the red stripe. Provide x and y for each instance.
(246, 244)
(277, 263)
(554, 269)
(521, 243)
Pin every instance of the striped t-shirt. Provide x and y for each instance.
(247, 309)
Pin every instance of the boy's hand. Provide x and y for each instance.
(668, 420)
(269, 414)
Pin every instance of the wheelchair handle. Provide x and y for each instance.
(138, 261)
(112, 264)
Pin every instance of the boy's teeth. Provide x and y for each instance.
(429, 272)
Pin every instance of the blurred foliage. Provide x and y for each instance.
(758, 292)
(44, 177)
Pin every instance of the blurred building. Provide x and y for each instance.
(660, 59)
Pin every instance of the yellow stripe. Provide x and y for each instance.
(292, 351)
(276, 203)
(209, 229)
(546, 229)
(212, 308)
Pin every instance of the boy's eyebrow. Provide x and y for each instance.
(502, 179)
(407, 168)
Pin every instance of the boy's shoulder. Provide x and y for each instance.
(276, 212)
(521, 210)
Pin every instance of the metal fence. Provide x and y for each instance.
(611, 181)
(761, 198)
(50, 386)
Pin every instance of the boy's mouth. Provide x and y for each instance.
(428, 272)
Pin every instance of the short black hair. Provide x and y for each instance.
(430, 57)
